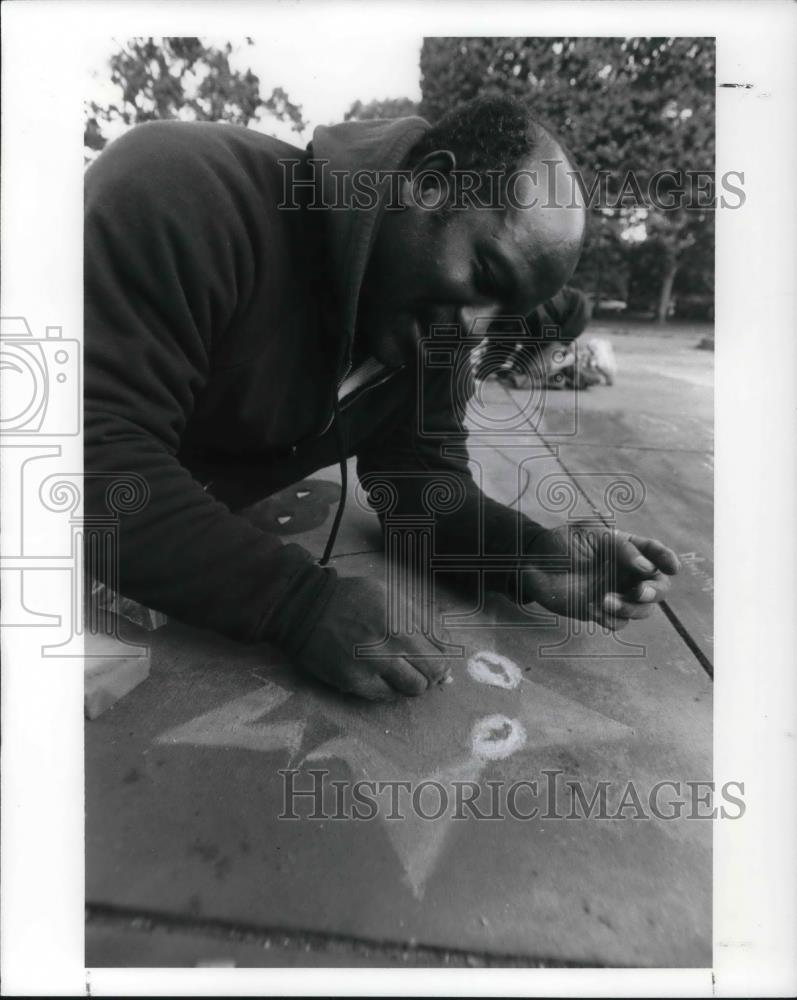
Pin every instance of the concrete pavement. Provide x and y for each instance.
(185, 844)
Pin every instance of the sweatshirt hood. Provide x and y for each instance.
(378, 145)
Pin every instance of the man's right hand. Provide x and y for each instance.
(356, 615)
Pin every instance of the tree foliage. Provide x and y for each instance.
(182, 78)
(391, 107)
(619, 104)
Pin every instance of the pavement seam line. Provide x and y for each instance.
(669, 614)
(105, 914)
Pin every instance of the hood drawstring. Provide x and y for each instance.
(340, 437)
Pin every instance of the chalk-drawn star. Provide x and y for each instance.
(491, 712)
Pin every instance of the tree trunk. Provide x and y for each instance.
(598, 288)
(666, 291)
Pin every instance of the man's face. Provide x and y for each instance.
(428, 268)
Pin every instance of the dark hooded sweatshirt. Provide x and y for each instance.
(220, 307)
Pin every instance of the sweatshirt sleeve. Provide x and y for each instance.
(165, 270)
(421, 463)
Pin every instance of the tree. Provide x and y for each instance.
(182, 78)
(635, 104)
(603, 268)
(391, 107)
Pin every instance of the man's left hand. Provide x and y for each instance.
(597, 573)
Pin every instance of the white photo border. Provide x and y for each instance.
(755, 872)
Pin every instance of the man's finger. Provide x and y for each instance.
(434, 668)
(648, 591)
(615, 606)
(404, 677)
(629, 559)
(609, 621)
(657, 553)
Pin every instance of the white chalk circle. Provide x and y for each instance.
(492, 668)
(496, 737)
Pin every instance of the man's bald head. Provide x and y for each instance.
(507, 247)
(546, 215)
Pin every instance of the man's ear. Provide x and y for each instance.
(430, 181)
